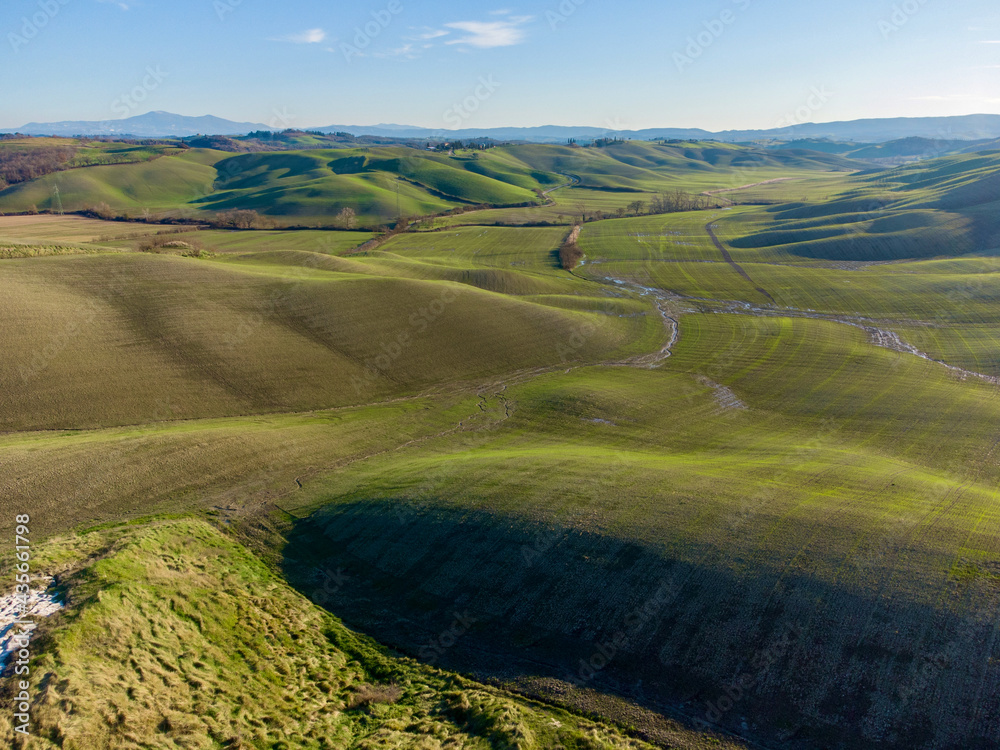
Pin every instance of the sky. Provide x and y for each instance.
(442, 64)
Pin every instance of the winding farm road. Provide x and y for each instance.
(574, 180)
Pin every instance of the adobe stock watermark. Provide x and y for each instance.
(330, 584)
(567, 350)
(131, 100)
(279, 300)
(280, 119)
(32, 25)
(817, 99)
(365, 35)
(760, 666)
(419, 322)
(224, 7)
(900, 16)
(542, 543)
(713, 31)
(462, 624)
(58, 342)
(458, 113)
(632, 626)
(562, 13)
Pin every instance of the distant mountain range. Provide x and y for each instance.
(149, 125)
(166, 124)
(967, 127)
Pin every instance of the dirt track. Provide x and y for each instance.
(736, 266)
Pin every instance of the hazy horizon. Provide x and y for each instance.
(730, 65)
(402, 124)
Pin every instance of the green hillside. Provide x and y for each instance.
(225, 338)
(380, 184)
(310, 187)
(943, 207)
(160, 185)
(734, 472)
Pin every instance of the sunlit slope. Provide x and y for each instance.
(782, 479)
(676, 253)
(163, 184)
(642, 166)
(943, 207)
(68, 478)
(321, 183)
(508, 261)
(309, 186)
(108, 340)
(303, 186)
(235, 242)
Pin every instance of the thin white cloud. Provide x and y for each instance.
(120, 3)
(489, 34)
(990, 41)
(426, 33)
(310, 36)
(406, 51)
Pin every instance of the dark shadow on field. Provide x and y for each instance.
(798, 664)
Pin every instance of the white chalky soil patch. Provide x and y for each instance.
(724, 397)
(42, 602)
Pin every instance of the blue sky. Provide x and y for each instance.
(444, 63)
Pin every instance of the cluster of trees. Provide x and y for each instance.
(100, 211)
(138, 141)
(219, 143)
(240, 218)
(570, 253)
(668, 203)
(269, 135)
(665, 203)
(473, 145)
(21, 165)
(605, 142)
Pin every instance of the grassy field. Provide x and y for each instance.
(766, 511)
(217, 338)
(713, 477)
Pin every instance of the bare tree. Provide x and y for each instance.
(347, 218)
(636, 207)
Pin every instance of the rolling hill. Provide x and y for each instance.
(734, 473)
(312, 187)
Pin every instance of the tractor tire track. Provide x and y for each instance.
(736, 266)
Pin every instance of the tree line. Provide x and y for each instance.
(17, 165)
(664, 203)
